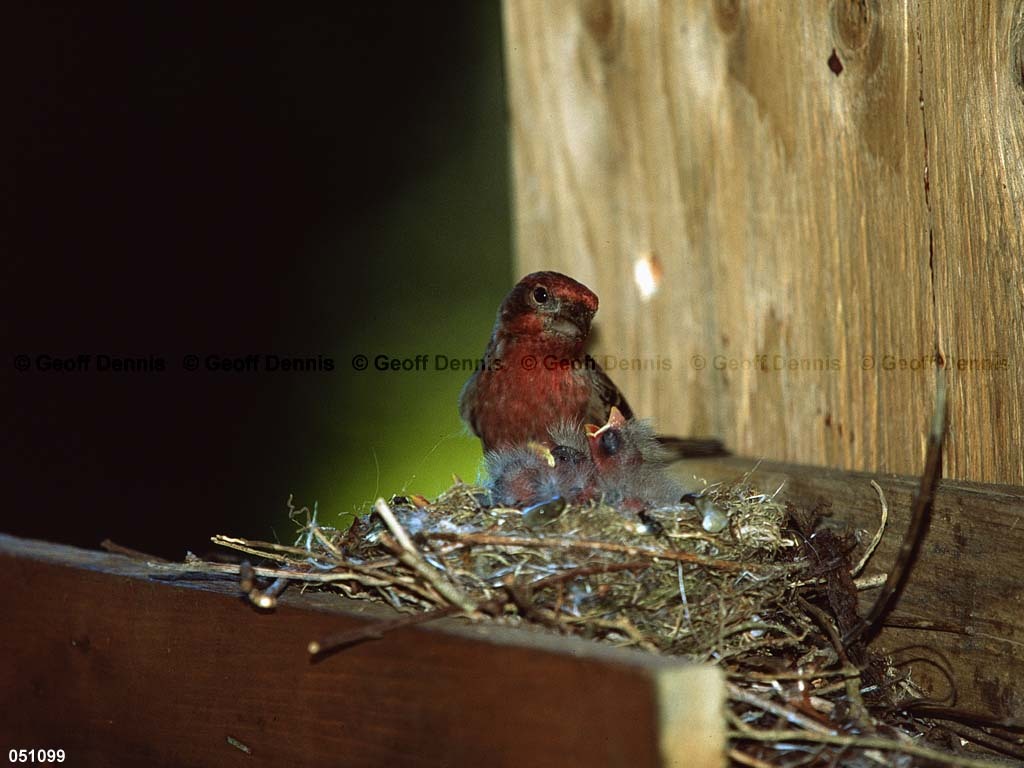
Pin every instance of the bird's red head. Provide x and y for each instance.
(548, 306)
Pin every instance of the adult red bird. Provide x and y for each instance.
(535, 372)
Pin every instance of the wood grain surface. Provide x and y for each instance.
(834, 193)
(119, 662)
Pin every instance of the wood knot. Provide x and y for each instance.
(857, 28)
(835, 63)
(727, 15)
(852, 20)
(598, 18)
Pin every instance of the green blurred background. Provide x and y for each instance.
(190, 179)
(435, 264)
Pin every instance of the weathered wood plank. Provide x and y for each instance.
(115, 667)
(972, 57)
(851, 225)
(963, 606)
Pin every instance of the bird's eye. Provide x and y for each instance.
(563, 454)
(540, 294)
(611, 441)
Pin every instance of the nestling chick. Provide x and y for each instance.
(631, 464)
(521, 476)
(530, 474)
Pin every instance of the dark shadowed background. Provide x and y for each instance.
(225, 181)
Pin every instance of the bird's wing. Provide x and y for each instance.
(603, 395)
(467, 402)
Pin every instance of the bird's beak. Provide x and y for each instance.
(542, 452)
(572, 321)
(615, 418)
(615, 421)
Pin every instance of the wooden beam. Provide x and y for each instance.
(122, 662)
(963, 607)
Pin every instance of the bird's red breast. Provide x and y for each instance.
(535, 371)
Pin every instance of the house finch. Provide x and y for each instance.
(535, 372)
(631, 464)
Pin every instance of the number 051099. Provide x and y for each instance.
(36, 755)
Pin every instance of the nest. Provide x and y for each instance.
(730, 576)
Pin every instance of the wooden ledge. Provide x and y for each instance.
(962, 612)
(120, 661)
(117, 661)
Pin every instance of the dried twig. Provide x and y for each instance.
(743, 758)
(265, 549)
(267, 598)
(408, 554)
(487, 539)
(878, 534)
(587, 570)
(789, 715)
(374, 631)
(851, 684)
(920, 515)
(988, 740)
(862, 742)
